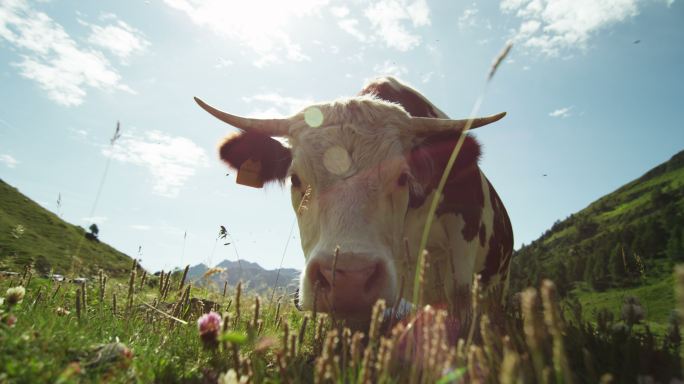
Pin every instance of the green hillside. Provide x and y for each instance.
(31, 234)
(625, 243)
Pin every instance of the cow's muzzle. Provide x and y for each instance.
(350, 291)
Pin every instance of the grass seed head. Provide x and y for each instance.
(185, 275)
(143, 278)
(376, 320)
(509, 373)
(255, 320)
(356, 348)
(114, 303)
(212, 271)
(78, 303)
(84, 298)
(302, 331)
(238, 293)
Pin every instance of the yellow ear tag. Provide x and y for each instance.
(249, 174)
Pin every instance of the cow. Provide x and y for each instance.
(363, 171)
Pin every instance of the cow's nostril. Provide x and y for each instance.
(373, 278)
(320, 280)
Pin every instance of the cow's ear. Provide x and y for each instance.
(430, 156)
(272, 157)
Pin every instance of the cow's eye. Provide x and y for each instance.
(294, 179)
(403, 179)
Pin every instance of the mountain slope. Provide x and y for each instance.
(631, 237)
(253, 276)
(31, 234)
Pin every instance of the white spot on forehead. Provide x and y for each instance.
(313, 117)
(336, 160)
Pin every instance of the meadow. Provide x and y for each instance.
(153, 329)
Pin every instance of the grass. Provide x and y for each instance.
(28, 232)
(532, 342)
(569, 231)
(657, 299)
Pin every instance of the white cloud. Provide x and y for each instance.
(553, 27)
(8, 160)
(259, 25)
(223, 63)
(78, 133)
(468, 18)
(266, 60)
(388, 18)
(119, 38)
(561, 112)
(141, 227)
(351, 26)
(427, 77)
(50, 57)
(171, 160)
(390, 68)
(275, 105)
(95, 219)
(339, 11)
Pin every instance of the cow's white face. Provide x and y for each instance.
(350, 188)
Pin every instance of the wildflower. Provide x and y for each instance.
(15, 295)
(10, 320)
(231, 377)
(209, 325)
(62, 311)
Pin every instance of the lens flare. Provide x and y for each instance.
(336, 160)
(313, 117)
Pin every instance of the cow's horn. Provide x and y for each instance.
(427, 125)
(270, 127)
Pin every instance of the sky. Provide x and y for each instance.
(593, 91)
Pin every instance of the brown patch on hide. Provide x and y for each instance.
(500, 241)
(274, 158)
(462, 193)
(412, 102)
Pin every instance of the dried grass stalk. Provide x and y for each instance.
(78, 304)
(238, 293)
(554, 322)
(185, 275)
(255, 320)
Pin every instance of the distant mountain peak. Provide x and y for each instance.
(253, 276)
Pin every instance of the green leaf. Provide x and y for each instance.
(234, 337)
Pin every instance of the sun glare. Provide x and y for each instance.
(259, 24)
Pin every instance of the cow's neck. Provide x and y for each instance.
(457, 243)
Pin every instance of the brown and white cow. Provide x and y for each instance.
(365, 170)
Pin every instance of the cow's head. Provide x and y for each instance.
(358, 168)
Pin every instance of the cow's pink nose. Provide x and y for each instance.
(352, 290)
